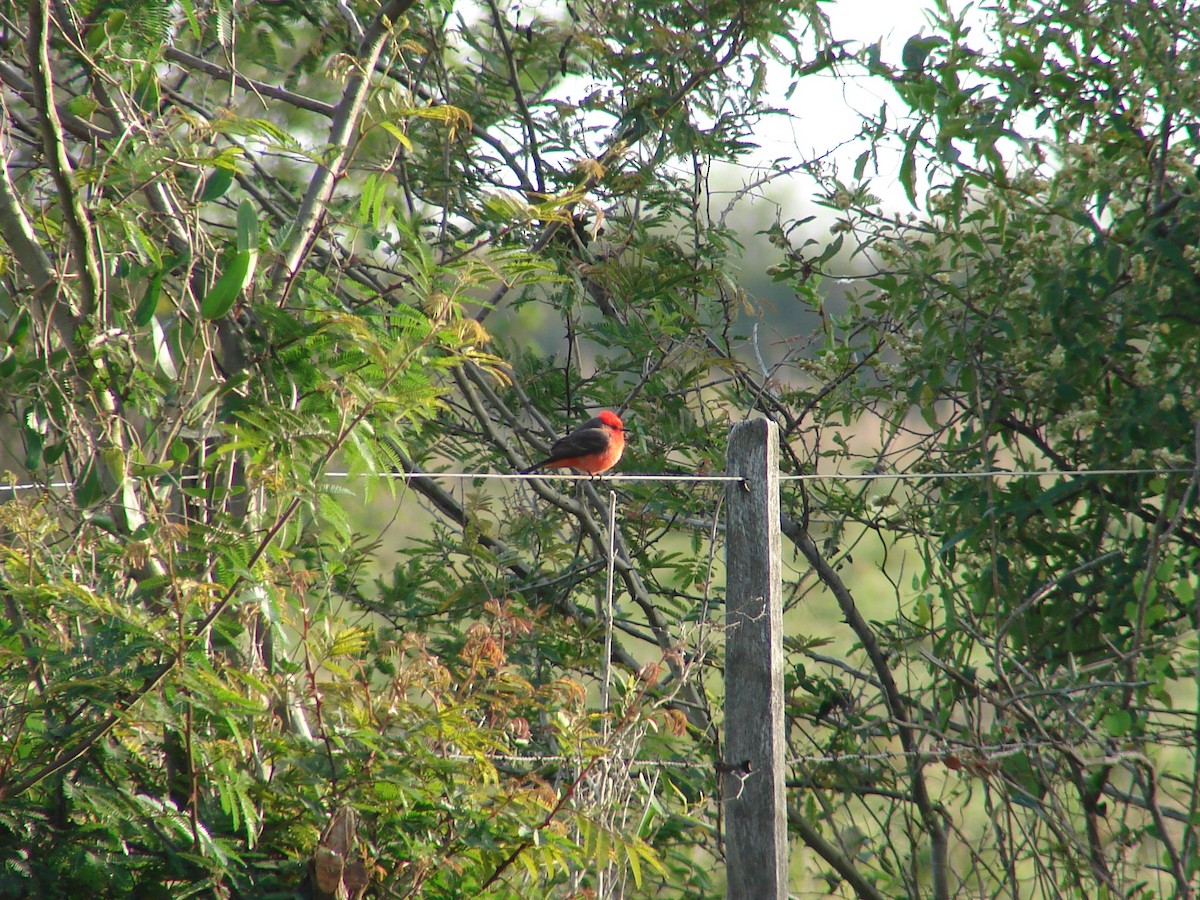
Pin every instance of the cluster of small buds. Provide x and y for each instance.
(1077, 421)
(1192, 255)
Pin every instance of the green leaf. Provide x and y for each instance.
(87, 486)
(82, 106)
(179, 451)
(831, 250)
(1118, 722)
(351, 642)
(238, 272)
(247, 227)
(860, 164)
(908, 166)
(217, 184)
(635, 864)
(149, 303)
(146, 95)
(20, 328)
(189, 9)
(97, 37)
(162, 350)
(531, 866)
(917, 50)
(400, 136)
(34, 442)
(53, 452)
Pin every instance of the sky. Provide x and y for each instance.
(826, 109)
(826, 106)
(824, 113)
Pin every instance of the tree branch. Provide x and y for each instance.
(345, 120)
(832, 855)
(75, 216)
(81, 128)
(188, 61)
(19, 235)
(896, 703)
(514, 78)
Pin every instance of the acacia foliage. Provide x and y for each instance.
(244, 244)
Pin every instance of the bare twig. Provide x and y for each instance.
(897, 705)
(75, 216)
(345, 121)
(299, 101)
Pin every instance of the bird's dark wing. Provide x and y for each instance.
(580, 442)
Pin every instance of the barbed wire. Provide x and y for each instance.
(951, 752)
(988, 473)
(680, 477)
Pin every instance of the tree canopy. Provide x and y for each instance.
(260, 261)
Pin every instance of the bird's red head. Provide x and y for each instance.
(611, 420)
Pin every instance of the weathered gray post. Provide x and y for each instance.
(756, 848)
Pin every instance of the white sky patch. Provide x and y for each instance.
(827, 108)
(821, 119)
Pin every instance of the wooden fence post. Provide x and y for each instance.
(756, 845)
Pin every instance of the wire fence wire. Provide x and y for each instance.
(954, 753)
(685, 478)
(971, 759)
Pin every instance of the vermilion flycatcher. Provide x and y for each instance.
(593, 447)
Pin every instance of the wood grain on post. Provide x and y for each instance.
(756, 848)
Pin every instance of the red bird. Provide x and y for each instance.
(593, 447)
